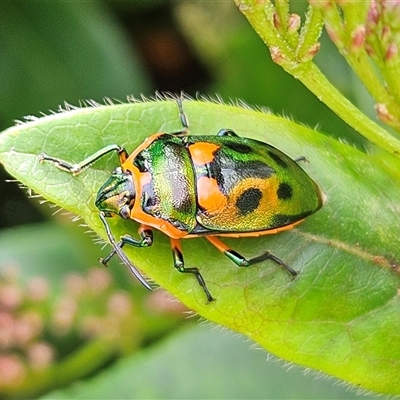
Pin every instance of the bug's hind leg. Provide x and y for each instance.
(240, 261)
(179, 264)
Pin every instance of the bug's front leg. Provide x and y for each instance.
(146, 240)
(76, 169)
(179, 264)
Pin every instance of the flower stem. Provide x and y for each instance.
(260, 13)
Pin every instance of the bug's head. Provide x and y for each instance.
(117, 195)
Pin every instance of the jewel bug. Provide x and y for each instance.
(190, 186)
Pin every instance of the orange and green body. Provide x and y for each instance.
(188, 186)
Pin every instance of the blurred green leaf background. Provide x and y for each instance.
(56, 52)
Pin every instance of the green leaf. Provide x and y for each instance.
(229, 370)
(340, 316)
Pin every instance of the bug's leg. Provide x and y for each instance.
(227, 132)
(183, 118)
(301, 159)
(179, 264)
(112, 253)
(240, 261)
(146, 240)
(76, 169)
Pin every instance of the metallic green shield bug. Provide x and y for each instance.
(189, 186)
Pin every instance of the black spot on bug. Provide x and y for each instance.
(248, 201)
(277, 159)
(285, 191)
(228, 171)
(282, 220)
(239, 147)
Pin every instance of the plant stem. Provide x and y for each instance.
(309, 74)
(317, 83)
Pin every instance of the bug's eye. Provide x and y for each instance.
(125, 212)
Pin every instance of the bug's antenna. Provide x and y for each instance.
(121, 254)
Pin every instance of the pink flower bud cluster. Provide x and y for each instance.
(21, 330)
(38, 323)
(383, 29)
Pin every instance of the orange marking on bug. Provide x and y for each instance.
(226, 216)
(209, 195)
(145, 178)
(176, 244)
(144, 145)
(202, 153)
(222, 247)
(165, 227)
(143, 228)
(236, 235)
(127, 164)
